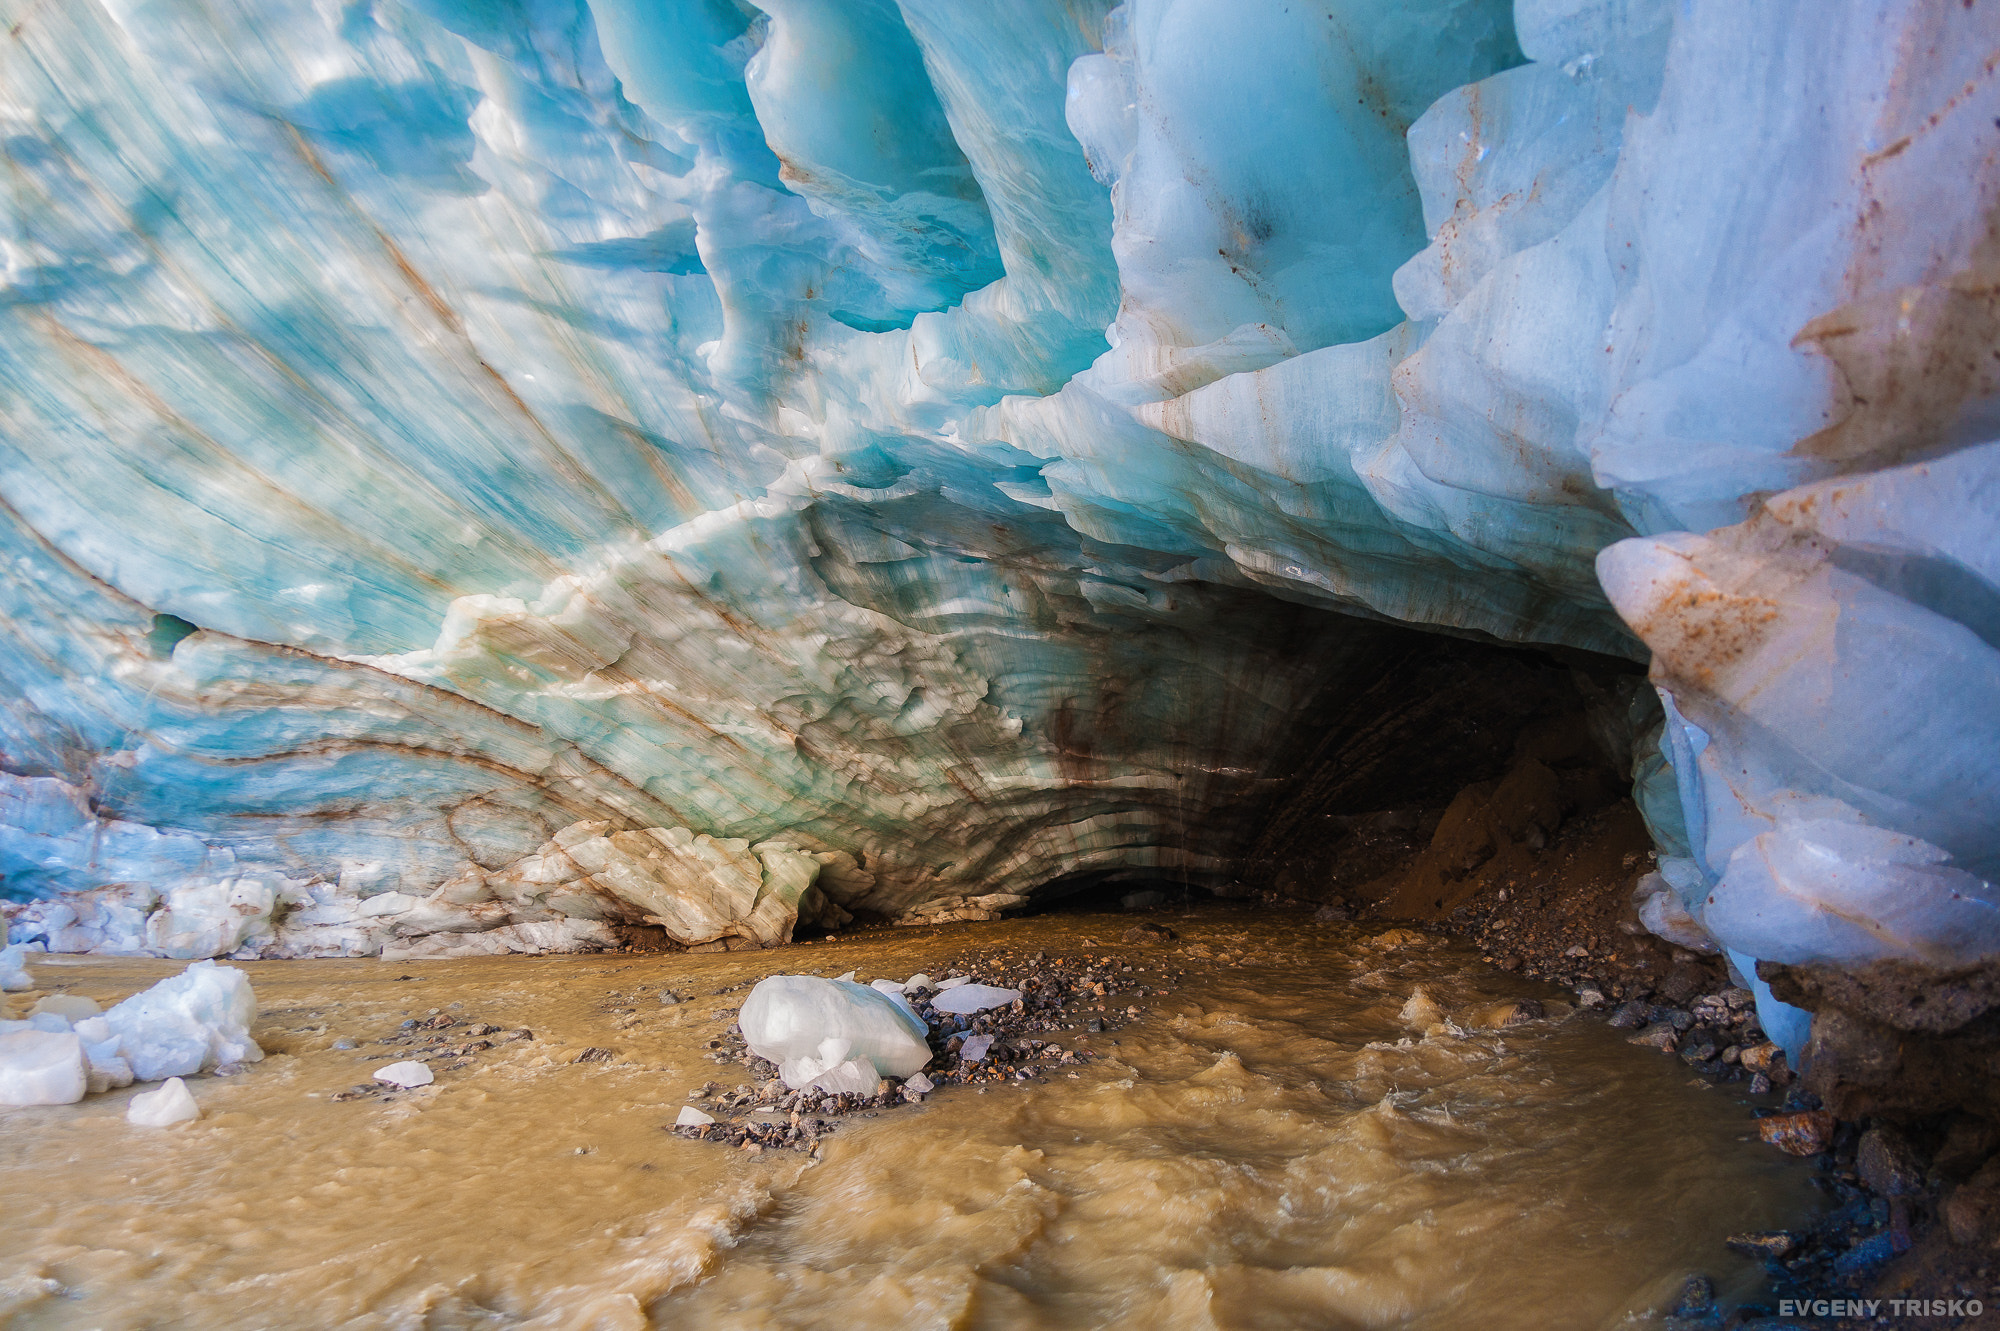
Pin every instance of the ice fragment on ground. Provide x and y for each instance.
(789, 1018)
(953, 982)
(844, 979)
(966, 999)
(405, 1074)
(193, 1022)
(886, 986)
(72, 1007)
(41, 1068)
(690, 1117)
(921, 1084)
(169, 1104)
(14, 967)
(975, 1049)
(856, 1076)
(919, 983)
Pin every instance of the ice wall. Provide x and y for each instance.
(474, 474)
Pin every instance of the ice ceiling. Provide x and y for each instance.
(473, 472)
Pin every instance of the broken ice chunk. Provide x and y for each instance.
(975, 1049)
(966, 999)
(919, 983)
(690, 1117)
(921, 1084)
(857, 1076)
(41, 1068)
(954, 982)
(73, 1007)
(170, 1104)
(194, 1021)
(791, 1019)
(406, 1074)
(14, 966)
(886, 986)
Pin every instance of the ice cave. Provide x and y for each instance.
(1183, 617)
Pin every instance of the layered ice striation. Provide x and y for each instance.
(474, 477)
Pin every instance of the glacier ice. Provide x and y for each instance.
(41, 1068)
(810, 1027)
(966, 999)
(167, 1104)
(477, 479)
(193, 1022)
(407, 1074)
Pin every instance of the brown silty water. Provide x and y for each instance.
(1283, 1139)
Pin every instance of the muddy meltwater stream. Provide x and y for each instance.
(1273, 1143)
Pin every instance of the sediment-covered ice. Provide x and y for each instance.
(474, 485)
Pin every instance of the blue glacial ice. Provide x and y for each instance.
(473, 476)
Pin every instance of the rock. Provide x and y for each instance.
(1521, 1013)
(1630, 1016)
(1888, 1164)
(160, 1108)
(1577, 952)
(594, 1054)
(690, 1117)
(42, 1068)
(1661, 1038)
(1761, 1057)
(1972, 1213)
(1807, 1132)
(1678, 1018)
(1738, 999)
(1773, 1244)
(1699, 1047)
(406, 1074)
(965, 1000)
(343, 1043)
(1148, 932)
(1968, 1143)
(1697, 1298)
(1333, 912)
(1590, 996)
(1865, 1256)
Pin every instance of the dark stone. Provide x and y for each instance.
(1865, 1256)
(1969, 1142)
(1678, 1018)
(594, 1054)
(1888, 1164)
(1773, 1244)
(1333, 912)
(1630, 1016)
(1525, 1011)
(1697, 1298)
(1148, 932)
(1904, 995)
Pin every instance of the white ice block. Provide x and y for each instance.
(792, 1017)
(41, 1068)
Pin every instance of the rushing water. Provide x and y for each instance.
(1277, 1142)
